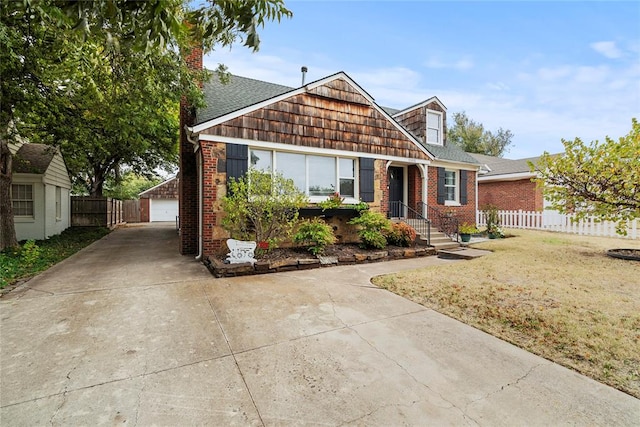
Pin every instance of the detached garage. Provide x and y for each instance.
(160, 203)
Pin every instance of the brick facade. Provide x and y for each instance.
(464, 213)
(188, 184)
(522, 194)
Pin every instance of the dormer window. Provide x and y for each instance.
(434, 127)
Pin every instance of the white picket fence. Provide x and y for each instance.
(555, 221)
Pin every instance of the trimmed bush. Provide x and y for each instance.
(373, 227)
(401, 234)
(315, 234)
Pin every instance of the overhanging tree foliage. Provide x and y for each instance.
(68, 67)
(473, 138)
(600, 180)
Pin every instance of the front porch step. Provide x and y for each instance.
(439, 240)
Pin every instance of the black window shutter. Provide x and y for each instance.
(463, 187)
(366, 179)
(237, 160)
(441, 190)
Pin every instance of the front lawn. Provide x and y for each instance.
(556, 295)
(33, 257)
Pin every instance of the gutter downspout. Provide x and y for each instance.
(198, 152)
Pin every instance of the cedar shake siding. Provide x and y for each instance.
(313, 120)
(415, 120)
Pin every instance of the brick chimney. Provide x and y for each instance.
(188, 189)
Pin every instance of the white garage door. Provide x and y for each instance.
(163, 210)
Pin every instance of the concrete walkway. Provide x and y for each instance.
(127, 332)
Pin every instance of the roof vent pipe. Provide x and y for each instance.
(304, 73)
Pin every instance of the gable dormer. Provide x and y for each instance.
(426, 120)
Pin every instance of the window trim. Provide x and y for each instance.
(440, 128)
(348, 200)
(456, 186)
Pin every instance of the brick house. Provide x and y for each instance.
(508, 184)
(328, 136)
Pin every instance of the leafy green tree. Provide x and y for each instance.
(52, 61)
(473, 138)
(129, 186)
(262, 207)
(600, 180)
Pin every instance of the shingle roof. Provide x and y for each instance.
(501, 166)
(238, 93)
(33, 158)
(450, 152)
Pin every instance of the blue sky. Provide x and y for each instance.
(544, 70)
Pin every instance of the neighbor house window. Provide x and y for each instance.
(434, 127)
(22, 199)
(58, 203)
(316, 176)
(450, 186)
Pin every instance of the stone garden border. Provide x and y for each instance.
(220, 269)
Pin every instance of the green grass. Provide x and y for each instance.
(32, 257)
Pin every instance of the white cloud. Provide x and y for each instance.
(607, 48)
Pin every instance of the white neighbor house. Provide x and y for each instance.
(40, 191)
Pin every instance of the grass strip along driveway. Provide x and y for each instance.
(32, 257)
(556, 295)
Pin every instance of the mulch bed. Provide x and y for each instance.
(630, 254)
(290, 259)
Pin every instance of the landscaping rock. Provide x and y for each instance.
(377, 255)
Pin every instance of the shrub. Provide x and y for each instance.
(261, 206)
(316, 234)
(332, 202)
(29, 253)
(467, 228)
(373, 228)
(401, 234)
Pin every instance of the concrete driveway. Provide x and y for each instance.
(127, 332)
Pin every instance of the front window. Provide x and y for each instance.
(316, 176)
(347, 175)
(322, 175)
(22, 199)
(261, 160)
(450, 186)
(434, 127)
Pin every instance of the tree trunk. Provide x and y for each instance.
(7, 226)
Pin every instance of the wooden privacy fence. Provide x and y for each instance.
(555, 221)
(131, 210)
(96, 212)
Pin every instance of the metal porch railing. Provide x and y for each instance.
(442, 221)
(412, 217)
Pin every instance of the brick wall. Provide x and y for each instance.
(188, 183)
(214, 189)
(511, 195)
(465, 213)
(415, 188)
